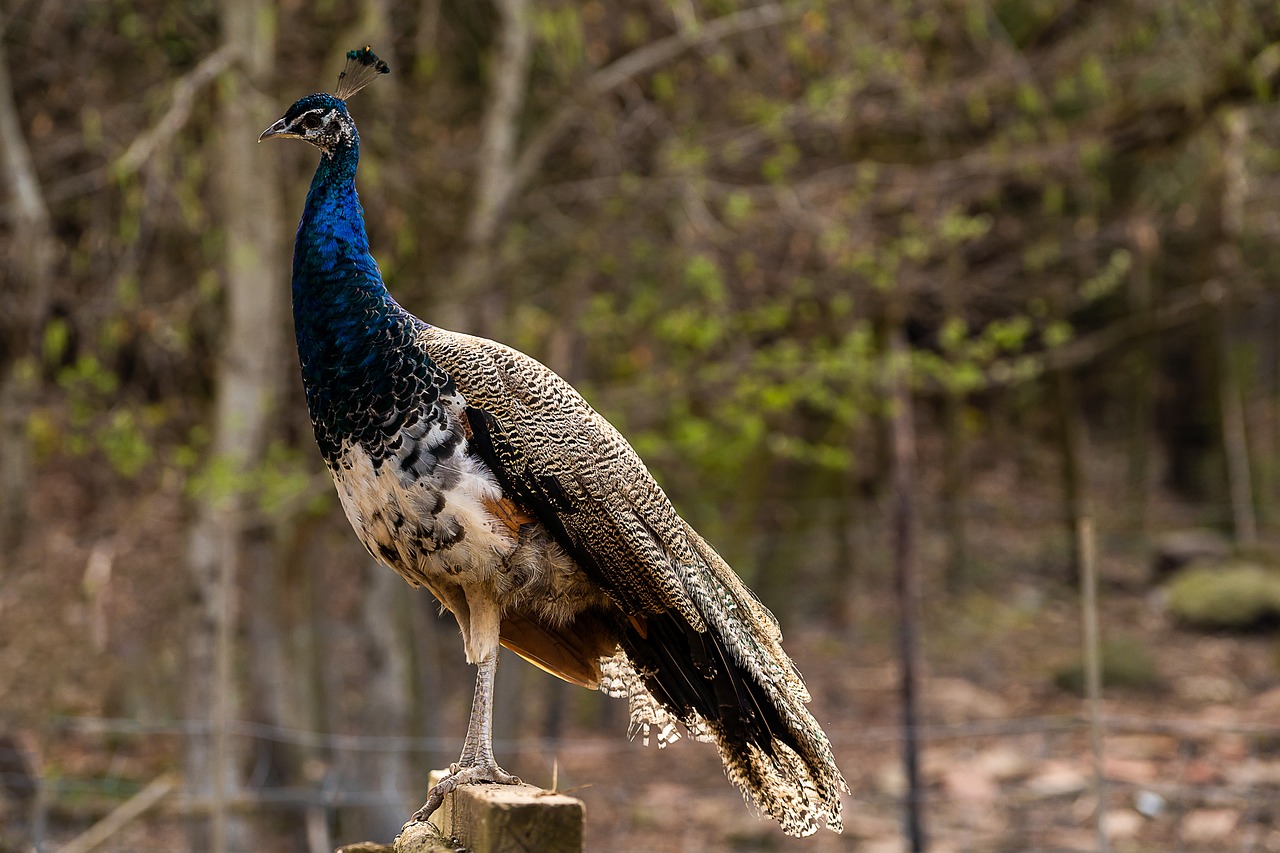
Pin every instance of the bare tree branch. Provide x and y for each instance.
(637, 62)
(33, 241)
(501, 120)
(158, 136)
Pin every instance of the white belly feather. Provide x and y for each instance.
(432, 526)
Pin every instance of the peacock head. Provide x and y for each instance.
(322, 119)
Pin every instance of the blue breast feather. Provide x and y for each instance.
(365, 374)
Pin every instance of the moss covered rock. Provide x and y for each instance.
(1126, 664)
(1237, 595)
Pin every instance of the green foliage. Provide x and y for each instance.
(1109, 278)
(560, 30)
(725, 232)
(98, 422)
(286, 483)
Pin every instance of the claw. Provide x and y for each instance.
(457, 777)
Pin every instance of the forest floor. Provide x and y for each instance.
(1192, 762)
(1191, 749)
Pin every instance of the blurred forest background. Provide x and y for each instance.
(741, 229)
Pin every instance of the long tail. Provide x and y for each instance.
(731, 684)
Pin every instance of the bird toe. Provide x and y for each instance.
(459, 776)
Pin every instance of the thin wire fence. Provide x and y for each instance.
(1023, 783)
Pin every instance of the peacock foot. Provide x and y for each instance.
(459, 775)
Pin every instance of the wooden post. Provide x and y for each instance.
(1087, 548)
(492, 819)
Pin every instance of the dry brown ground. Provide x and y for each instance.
(1192, 764)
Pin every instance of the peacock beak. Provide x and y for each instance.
(280, 128)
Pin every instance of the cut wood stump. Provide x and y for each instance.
(492, 819)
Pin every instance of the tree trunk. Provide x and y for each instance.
(842, 599)
(30, 260)
(1071, 440)
(246, 383)
(1235, 443)
(477, 307)
(280, 662)
(429, 634)
(383, 707)
(955, 481)
(1143, 361)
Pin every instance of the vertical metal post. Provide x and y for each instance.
(906, 580)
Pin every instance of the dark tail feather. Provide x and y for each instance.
(772, 748)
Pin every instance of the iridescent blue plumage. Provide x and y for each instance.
(363, 374)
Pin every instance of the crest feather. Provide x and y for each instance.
(363, 67)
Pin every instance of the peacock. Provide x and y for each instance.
(474, 471)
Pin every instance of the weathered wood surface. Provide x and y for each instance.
(492, 819)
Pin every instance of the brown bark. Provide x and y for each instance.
(477, 306)
(383, 706)
(247, 380)
(955, 481)
(30, 269)
(1071, 438)
(1235, 443)
(1143, 361)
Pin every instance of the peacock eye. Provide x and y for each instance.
(311, 121)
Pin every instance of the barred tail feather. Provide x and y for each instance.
(772, 748)
(800, 796)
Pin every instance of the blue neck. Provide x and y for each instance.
(331, 250)
(349, 329)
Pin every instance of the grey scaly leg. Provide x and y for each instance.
(476, 763)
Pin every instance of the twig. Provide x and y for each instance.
(132, 808)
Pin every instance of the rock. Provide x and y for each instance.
(1150, 804)
(1205, 825)
(1268, 702)
(968, 784)
(1207, 689)
(1235, 595)
(1004, 763)
(1131, 770)
(1122, 823)
(1058, 777)
(955, 700)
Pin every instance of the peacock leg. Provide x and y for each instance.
(476, 764)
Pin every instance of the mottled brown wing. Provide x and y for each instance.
(564, 464)
(707, 649)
